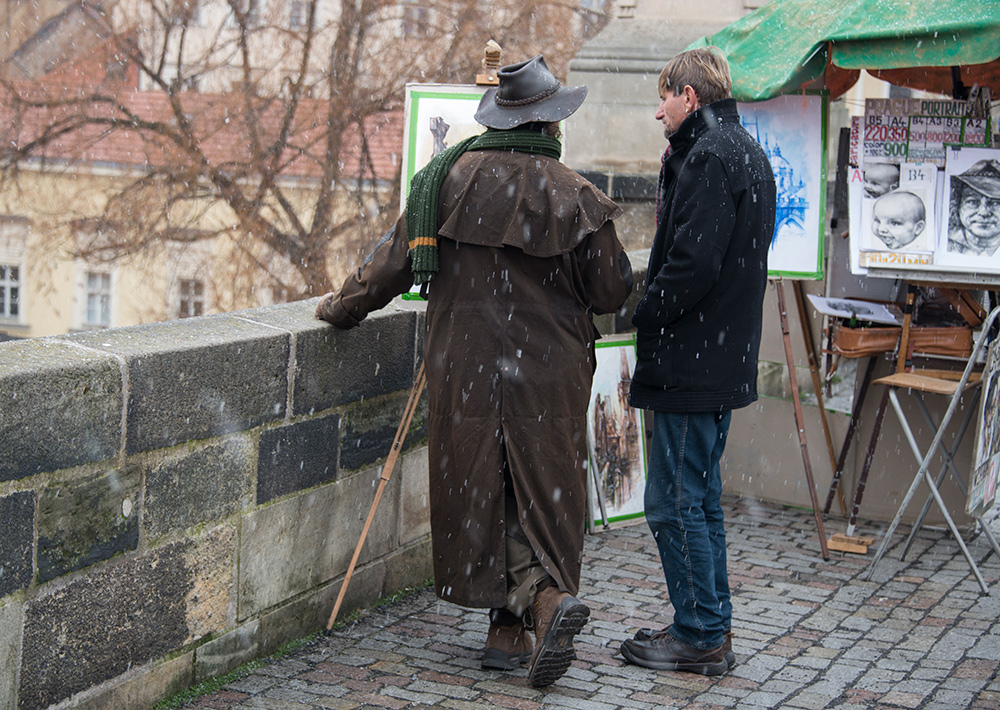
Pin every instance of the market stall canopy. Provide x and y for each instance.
(791, 45)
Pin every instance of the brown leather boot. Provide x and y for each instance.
(558, 618)
(507, 646)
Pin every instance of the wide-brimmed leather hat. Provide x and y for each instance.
(983, 177)
(528, 92)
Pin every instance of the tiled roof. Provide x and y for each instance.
(219, 123)
(44, 34)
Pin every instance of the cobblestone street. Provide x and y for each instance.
(808, 634)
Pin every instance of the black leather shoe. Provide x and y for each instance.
(663, 652)
(727, 645)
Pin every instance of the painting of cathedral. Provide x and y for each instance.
(792, 132)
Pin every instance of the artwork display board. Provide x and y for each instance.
(436, 116)
(852, 309)
(791, 129)
(924, 192)
(983, 486)
(792, 132)
(615, 436)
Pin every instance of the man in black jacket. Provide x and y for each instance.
(699, 326)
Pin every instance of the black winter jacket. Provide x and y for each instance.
(699, 322)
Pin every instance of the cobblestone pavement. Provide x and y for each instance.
(808, 634)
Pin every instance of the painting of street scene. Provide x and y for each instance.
(615, 437)
(983, 488)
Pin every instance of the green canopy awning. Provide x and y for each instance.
(790, 45)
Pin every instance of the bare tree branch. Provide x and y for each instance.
(227, 122)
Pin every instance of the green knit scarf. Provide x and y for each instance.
(422, 202)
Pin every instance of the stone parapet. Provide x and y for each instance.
(179, 498)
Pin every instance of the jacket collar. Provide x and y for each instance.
(701, 121)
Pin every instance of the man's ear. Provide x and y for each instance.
(691, 103)
(918, 227)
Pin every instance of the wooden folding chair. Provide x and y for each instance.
(953, 385)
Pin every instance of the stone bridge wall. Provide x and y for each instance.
(179, 498)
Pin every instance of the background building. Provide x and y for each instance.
(169, 159)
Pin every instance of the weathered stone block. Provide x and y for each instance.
(295, 457)
(227, 652)
(299, 543)
(198, 377)
(312, 611)
(334, 367)
(86, 520)
(99, 627)
(411, 566)
(124, 615)
(17, 511)
(10, 653)
(369, 428)
(60, 406)
(144, 688)
(210, 562)
(414, 503)
(197, 486)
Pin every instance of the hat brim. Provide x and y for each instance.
(984, 184)
(561, 105)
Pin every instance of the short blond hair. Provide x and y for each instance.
(705, 70)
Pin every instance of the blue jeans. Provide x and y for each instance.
(684, 512)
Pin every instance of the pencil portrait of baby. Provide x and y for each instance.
(880, 178)
(898, 218)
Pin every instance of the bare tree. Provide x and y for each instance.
(267, 126)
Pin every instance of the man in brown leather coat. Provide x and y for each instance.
(518, 252)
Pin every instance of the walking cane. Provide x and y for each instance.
(390, 464)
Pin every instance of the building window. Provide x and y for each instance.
(296, 15)
(190, 83)
(10, 291)
(98, 300)
(250, 9)
(187, 12)
(416, 19)
(591, 14)
(192, 301)
(13, 267)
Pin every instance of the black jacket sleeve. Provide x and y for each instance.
(704, 218)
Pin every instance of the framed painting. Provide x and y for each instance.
(925, 196)
(897, 226)
(969, 235)
(792, 131)
(617, 474)
(436, 116)
(983, 486)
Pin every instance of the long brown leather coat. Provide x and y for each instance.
(527, 252)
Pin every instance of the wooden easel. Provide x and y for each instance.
(796, 400)
(849, 542)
